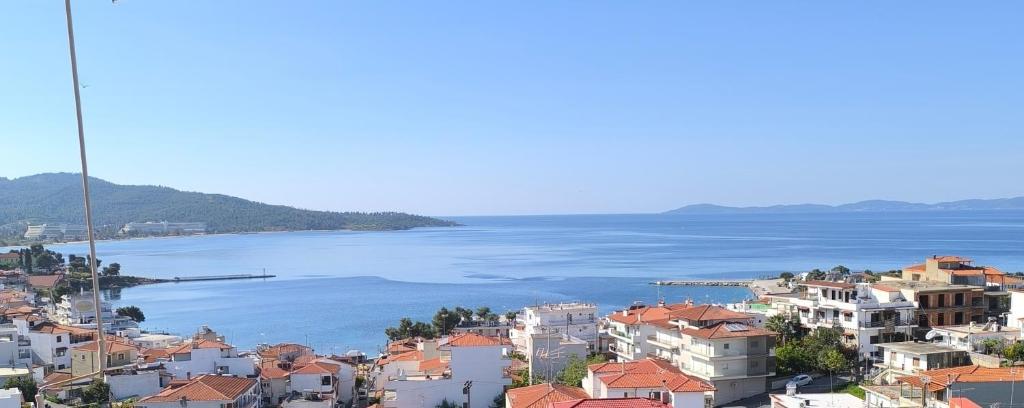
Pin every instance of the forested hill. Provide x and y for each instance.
(57, 198)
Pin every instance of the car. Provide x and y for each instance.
(802, 379)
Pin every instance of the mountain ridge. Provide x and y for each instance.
(1013, 203)
(57, 198)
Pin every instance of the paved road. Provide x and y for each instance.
(819, 385)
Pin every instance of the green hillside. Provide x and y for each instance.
(57, 198)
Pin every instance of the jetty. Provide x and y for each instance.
(705, 282)
(218, 277)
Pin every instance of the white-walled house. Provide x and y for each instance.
(867, 314)
(326, 379)
(649, 378)
(207, 391)
(203, 356)
(467, 359)
(15, 349)
(52, 343)
(575, 319)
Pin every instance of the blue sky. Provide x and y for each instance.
(460, 108)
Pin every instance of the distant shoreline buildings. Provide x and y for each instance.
(162, 228)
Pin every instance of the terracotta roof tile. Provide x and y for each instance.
(708, 312)
(673, 381)
(940, 378)
(318, 367)
(205, 388)
(187, 346)
(914, 268)
(722, 330)
(648, 365)
(540, 395)
(475, 340)
(961, 402)
(611, 403)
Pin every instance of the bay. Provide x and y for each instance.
(338, 290)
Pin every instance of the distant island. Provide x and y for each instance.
(1016, 203)
(57, 198)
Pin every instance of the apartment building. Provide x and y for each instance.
(942, 304)
(984, 386)
(162, 228)
(463, 368)
(630, 328)
(207, 391)
(910, 357)
(202, 356)
(654, 379)
(958, 270)
(118, 353)
(79, 310)
(51, 342)
(866, 314)
(575, 319)
(66, 232)
(15, 349)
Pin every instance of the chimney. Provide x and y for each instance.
(625, 312)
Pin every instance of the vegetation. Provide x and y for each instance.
(854, 390)
(443, 322)
(447, 404)
(57, 198)
(1014, 352)
(96, 393)
(822, 350)
(994, 346)
(26, 385)
(576, 369)
(407, 328)
(787, 329)
(133, 312)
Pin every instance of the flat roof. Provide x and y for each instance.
(819, 400)
(930, 286)
(917, 348)
(968, 329)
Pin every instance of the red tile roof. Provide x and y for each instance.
(951, 258)
(54, 328)
(187, 346)
(914, 268)
(115, 346)
(708, 312)
(434, 366)
(540, 395)
(942, 378)
(648, 366)
(205, 388)
(722, 330)
(611, 403)
(277, 350)
(475, 340)
(44, 281)
(673, 381)
(645, 314)
(318, 367)
(269, 370)
(961, 402)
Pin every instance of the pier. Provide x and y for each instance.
(218, 277)
(705, 282)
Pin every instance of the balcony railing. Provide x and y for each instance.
(888, 322)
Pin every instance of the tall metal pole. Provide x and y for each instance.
(101, 350)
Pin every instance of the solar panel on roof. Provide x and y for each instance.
(735, 327)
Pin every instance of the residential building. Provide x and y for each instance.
(941, 304)
(866, 314)
(831, 400)
(324, 379)
(575, 319)
(207, 391)
(79, 310)
(162, 228)
(957, 270)
(970, 337)
(118, 353)
(15, 349)
(1015, 317)
(910, 357)
(51, 342)
(11, 398)
(548, 353)
(611, 403)
(463, 368)
(629, 328)
(983, 385)
(274, 382)
(64, 232)
(496, 328)
(541, 395)
(202, 356)
(649, 378)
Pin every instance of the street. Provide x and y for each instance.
(818, 385)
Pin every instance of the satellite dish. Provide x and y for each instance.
(931, 335)
(83, 306)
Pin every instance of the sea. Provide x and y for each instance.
(338, 290)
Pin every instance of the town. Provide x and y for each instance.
(945, 333)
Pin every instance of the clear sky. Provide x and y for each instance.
(523, 107)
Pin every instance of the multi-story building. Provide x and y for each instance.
(957, 270)
(163, 228)
(986, 387)
(65, 232)
(866, 314)
(547, 354)
(119, 353)
(574, 319)
(202, 356)
(909, 357)
(51, 342)
(971, 337)
(15, 349)
(463, 368)
(942, 304)
(79, 310)
(207, 391)
(655, 379)
(629, 329)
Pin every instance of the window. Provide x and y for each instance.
(655, 395)
(835, 313)
(958, 299)
(709, 401)
(754, 364)
(942, 299)
(958, 318)
(325, 380)
(922, 320)
(847, 317)
(754, 344)
(917, 362)
(923, 301)
(941, 320)
(725, 346)
(873, 340)
(58, 339)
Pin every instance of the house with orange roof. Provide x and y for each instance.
(473, 360)
(273, 381)
(720, 346)
(119, 352)
(983, 386)
(207, 391)
(324, 379)
(610, 403)
(204, 356)
(51, 342)
(541, 395)
(648, 378)
(629, 328)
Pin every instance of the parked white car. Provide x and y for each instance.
(802, 379)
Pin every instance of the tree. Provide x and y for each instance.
(576, 370)
(841, 269)
(96, 393)
(465, 313)
(114, 269)
(511, 315)
(26, 385)
(832, 361)
(133, 312)
(482, 312)
(445, 320)
(792, 358)
(407, 328)
(815, 274)
(783, 326)
(787, 276)
(1014, 352)
(447, 404)
(993, 346)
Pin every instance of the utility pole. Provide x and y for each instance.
(465, 390)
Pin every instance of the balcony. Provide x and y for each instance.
(623, 336)
(662, 343)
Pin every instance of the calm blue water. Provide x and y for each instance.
(339, 290)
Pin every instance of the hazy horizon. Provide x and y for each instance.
(462, 109)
